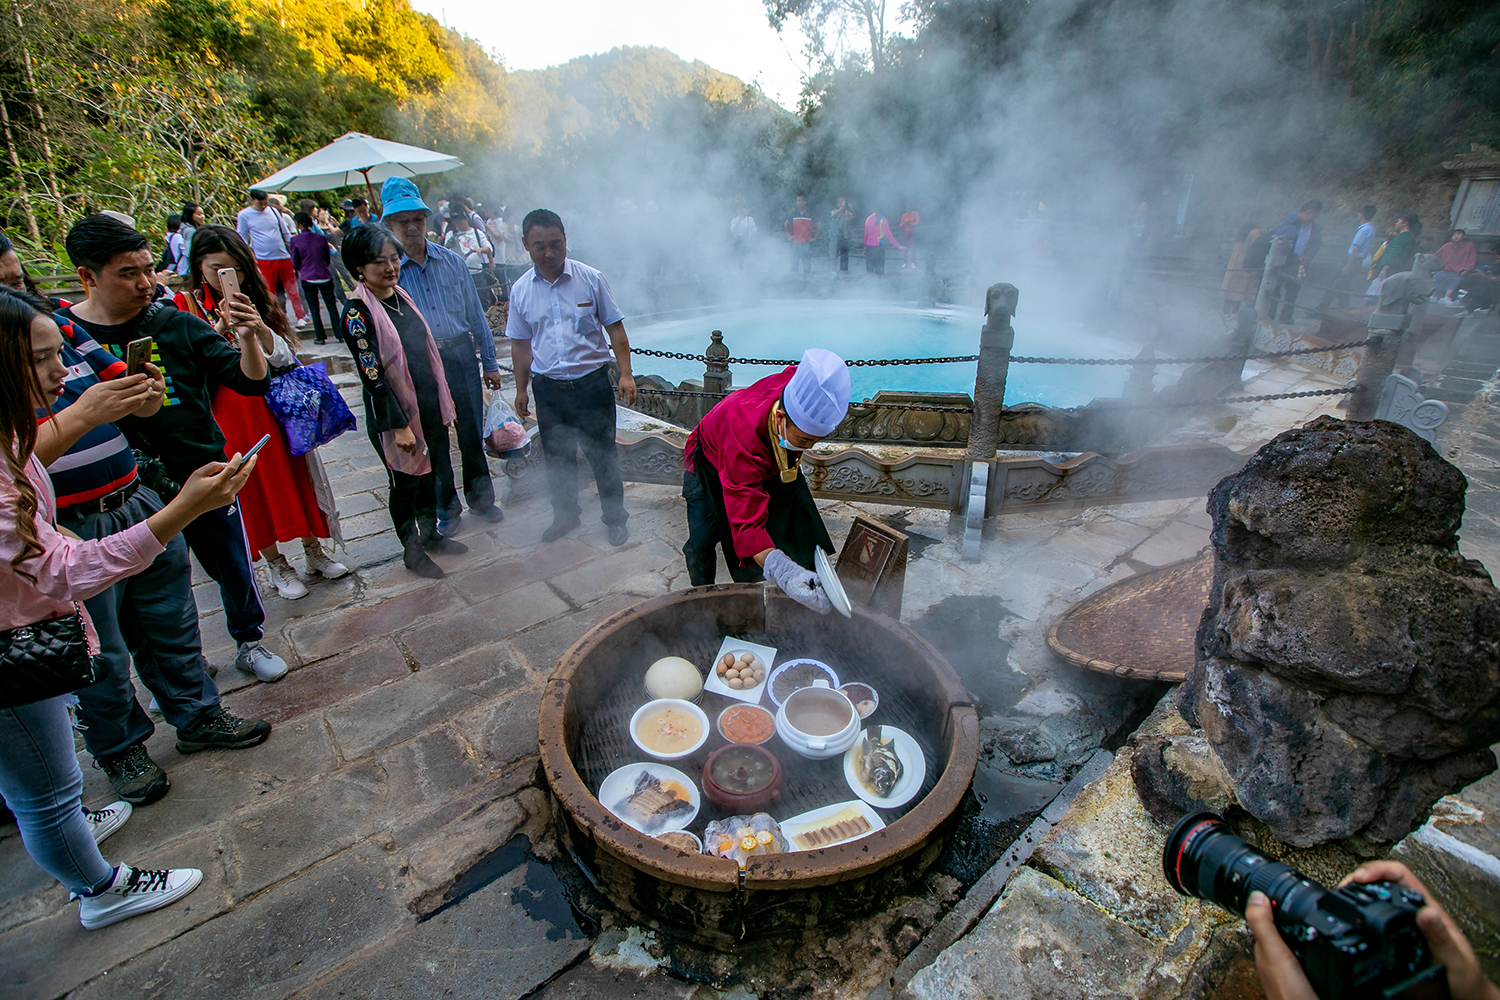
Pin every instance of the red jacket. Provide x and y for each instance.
(733, 437)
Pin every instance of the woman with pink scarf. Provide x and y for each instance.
(406, 396)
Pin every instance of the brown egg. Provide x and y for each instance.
(759, 674)
(722, 669)
(747, 657)
(736, 683)
(728, 660)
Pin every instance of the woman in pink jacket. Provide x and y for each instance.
(43, 575)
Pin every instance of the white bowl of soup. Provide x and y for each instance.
(669, 728)
(818, 721)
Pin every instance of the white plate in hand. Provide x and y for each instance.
(765, 654)
(832, 585)
(913, 770)
(620, 785)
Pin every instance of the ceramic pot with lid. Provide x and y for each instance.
(742, 778)
(818, 722)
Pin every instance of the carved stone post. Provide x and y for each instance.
(716, 376)
(1139, 385)
(1389, 324)
(1281, 249)
(995, 341)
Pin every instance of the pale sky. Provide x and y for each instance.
(729, 35)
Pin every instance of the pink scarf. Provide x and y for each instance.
(398, 377)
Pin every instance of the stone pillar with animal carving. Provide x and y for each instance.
(995, 342)
(1390, 324)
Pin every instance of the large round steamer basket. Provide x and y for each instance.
(583, 735)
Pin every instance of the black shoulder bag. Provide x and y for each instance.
(44, 659)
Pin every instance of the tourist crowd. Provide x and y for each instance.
(1461, 288)
(143, 423)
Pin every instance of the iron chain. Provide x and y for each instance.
(1021, 359)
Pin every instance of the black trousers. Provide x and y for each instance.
(461, 369)
(413, 499)
(874, 260)
(843, 250)
(310, 292)
(792, 520)
(573, 414)
(218, 541)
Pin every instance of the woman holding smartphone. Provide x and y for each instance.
(291, 499)
(406, 395)
(43, 574)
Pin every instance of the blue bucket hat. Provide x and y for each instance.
(398, 194)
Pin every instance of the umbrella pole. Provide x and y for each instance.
(374, 202)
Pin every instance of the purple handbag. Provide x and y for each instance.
(309, 408)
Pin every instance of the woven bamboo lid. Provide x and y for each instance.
(1145, 627)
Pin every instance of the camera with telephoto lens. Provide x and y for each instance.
(1357, 942)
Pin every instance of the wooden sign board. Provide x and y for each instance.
(872, 565)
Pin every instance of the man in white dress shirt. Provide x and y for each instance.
(563, 323)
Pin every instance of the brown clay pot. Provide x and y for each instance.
(727, 771)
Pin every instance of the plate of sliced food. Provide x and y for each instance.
(652, 798)
(831, 826)
(885, 767)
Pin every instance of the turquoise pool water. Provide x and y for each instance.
(880, 330)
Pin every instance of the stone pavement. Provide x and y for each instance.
(392, 836)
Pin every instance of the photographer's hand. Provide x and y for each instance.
(1449, 946)
(1280, 973)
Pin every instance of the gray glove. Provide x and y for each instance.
(801, 585)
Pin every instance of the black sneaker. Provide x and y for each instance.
(223, 731)
(618, 535)
(135, 776)
(415, 557)
(493, 514)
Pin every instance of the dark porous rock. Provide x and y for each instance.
(1348, 663)
(1179, 774)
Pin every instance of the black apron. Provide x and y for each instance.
(792, 520)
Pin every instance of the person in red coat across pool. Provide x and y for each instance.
(743, 483)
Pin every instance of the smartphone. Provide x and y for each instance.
(137, 353)
(229, 283)
(247, 456)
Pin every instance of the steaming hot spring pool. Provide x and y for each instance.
(783, 329)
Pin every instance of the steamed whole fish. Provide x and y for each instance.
(876, 762)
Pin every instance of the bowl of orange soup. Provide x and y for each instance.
(669, 728)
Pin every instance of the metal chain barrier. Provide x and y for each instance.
(1216, 401)
(1022, 360)
(1189, 361)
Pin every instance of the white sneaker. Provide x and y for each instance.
(288, 584)
(103, 822)
(255, 658)
(135, 891)
(303, 322)
(319, 562)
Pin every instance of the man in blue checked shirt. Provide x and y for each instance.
(438, 281)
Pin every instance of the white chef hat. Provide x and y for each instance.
(817, 397)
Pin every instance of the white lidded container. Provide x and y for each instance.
(818, 722)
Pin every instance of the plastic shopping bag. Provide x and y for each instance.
(503, 431)
(1375, 286)
(309, 408)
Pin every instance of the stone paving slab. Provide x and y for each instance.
(273, 945)
(489, 945)
(61, 955)
(1040, 941)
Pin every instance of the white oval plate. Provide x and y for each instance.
(621, 782)
(832, 585)
(913, 770)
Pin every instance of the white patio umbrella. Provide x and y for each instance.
(353, 157)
